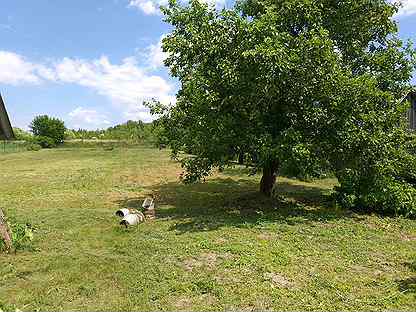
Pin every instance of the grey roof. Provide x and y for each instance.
(6, 130)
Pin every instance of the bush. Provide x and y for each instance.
(388, 187)
(52, 128)
(44, 142)
(33, 147)
(22, 135)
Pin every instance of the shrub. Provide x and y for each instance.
(388, 186)
(44, 142)
(33, 147)
(45, 126)
(22, 135)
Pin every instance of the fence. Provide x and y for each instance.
(12, 147)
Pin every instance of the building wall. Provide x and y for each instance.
(411, 113)
(6, 131)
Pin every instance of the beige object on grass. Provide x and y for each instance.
(149, 208)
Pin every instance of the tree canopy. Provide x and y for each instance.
(273, 79)
(46, 127)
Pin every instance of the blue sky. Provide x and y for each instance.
(92, 63)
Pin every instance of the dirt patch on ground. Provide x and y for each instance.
(408, 237)
(278, 280)
(327, 225)
(228, 277)
(205, 260)
(220, 241)
(266, 236)
(208, 259)
(183, 304)
(208, 299)
(360, 268)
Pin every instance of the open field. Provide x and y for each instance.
(214, 246)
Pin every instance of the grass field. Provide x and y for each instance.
(214, 246)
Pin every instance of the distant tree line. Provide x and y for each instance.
(134, 131)
(50, 132)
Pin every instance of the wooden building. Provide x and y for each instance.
(6, 130)
(411, 113)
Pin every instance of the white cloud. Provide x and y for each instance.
(126, 84)
(88, 119)
(148, 7)
(408, 7)
(14, 69)
(46, 73)
(151, 7)
(155, 54)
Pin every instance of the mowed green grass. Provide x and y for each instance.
(217, 245)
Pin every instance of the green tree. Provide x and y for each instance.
(269, 76)
(130, 130)
(22, 135)
(70, 134)
(50, 128)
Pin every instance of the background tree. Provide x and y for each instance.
(132, 131)
(22, 135)
(48, 130)
(268, 77)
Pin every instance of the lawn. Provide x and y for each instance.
(217, 245)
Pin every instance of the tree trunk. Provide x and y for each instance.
(5, 231)
(270, 171)
(241, 158)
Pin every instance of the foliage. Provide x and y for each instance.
(48, 127)
(22, 135)
(100, 144)
(133, 131)
(286, 80)
(384, 181)
(33, 147)
(70, 134)
(44, 141)
(303, 164)
(22, 236)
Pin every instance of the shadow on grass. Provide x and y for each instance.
(408, 285)
(230, 202)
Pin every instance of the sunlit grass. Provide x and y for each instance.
(214, 246)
